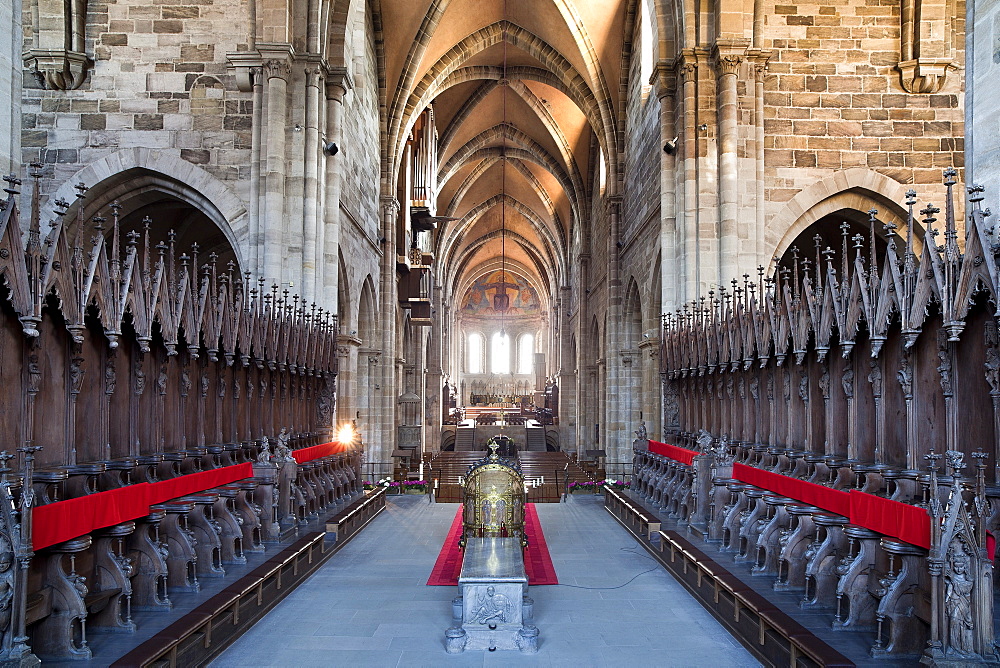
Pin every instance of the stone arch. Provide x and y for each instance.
(368, 314)
(632, 316)
(857, 188)
(113, 174)
(344, 290)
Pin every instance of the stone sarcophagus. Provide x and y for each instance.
(493, 610)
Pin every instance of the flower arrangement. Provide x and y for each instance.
(414, 485)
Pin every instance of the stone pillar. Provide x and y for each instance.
(567, 374)
(310, 205)
(670, 253)
(254, 256)
(759, 71)
(727, 63)
(277, 72)
(688, 72)
(338, 82)
(10, 88)
(385, 377)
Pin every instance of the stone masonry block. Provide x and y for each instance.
(187, 12)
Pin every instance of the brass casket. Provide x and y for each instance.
(494, 498)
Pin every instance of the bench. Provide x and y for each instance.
(356, 515)
(631, 513)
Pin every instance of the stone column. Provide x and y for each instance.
(665, 80)
(727, 63)
(310, 205)
(254, 258)
(277, 72)
(338, 82)
(385, 392)
(688, 72)
(10, 87)
(567, 374)
(759, 71)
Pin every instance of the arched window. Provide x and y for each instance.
(526, 353)
(500, 354)
(475, 353)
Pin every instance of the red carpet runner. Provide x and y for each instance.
(537, 562)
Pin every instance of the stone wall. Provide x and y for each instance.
(983, 144)
(834, 100)
(159, 80)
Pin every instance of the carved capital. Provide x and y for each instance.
(338, 82)
(277, 69)
(687, 66)
(314, 75)
(728, 64)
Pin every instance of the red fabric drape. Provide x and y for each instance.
(681, 455)
(834, 500)
(57, 522)
(891, 518)
(317, 451)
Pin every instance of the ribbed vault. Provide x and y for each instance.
(542, 130)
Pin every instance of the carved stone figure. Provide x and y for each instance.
(847, 381)
(138, 376)
(824, 383)
(185, 382)
(905, 376)
(704, 440)
(34, 374)
(76, 373)
(958, 601)
(204, 384)
(492, 607)
(110, 376)
(641, 433)
(944, 354)
(992, 363)
(723, 457)
(282, 450)
(161, 380)
(804, 386)
(875, 378)
(264, 456)
(755, 388)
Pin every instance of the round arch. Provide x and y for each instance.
(115, 175)
(858, 188)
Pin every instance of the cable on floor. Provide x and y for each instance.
(625, 584)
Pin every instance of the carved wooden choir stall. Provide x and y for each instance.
(170, 417)
(834, 390)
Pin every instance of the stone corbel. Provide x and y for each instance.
(926, 45)
(58, 69)
(925, 75)
(245, 67)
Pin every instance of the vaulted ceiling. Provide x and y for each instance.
(522, 148)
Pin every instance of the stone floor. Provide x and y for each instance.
(369, 606)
